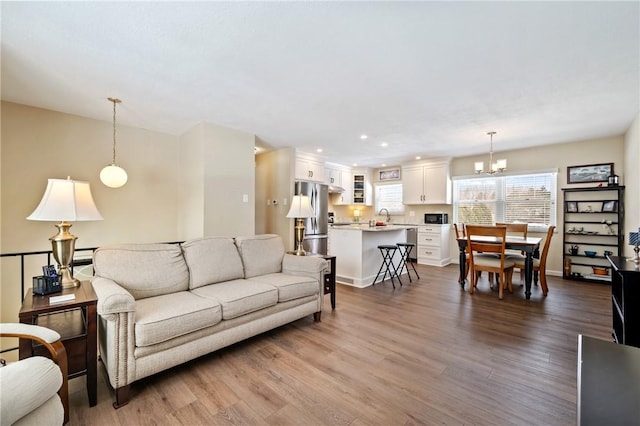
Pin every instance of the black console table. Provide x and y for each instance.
(608, 383)
(625, 300)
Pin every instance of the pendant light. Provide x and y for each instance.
(498, 167)
(112, 175)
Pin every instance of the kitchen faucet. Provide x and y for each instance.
(388, 215)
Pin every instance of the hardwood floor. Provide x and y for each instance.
(424, 353)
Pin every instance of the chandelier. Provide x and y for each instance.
(112, 175)
(498, 167)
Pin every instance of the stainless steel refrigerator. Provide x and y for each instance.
(316, 227)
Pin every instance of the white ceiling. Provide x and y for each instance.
(428, 78)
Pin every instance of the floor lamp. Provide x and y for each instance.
(65, 200)
(300, 210)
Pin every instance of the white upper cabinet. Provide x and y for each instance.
(428, 183)
(332, 176)
(346, 197)
(362, 187)
(309, 168)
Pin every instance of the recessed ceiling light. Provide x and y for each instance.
(384, 144)
(355, 164)
(418, 157)
(319, 150)
(363, 136)
(384, 165)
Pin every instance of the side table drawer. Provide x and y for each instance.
(327, 283)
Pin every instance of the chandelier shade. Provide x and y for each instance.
(498, 166)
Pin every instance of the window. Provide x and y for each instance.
(529, 198)
(389, 197)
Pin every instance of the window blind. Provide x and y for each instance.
(389, 196)
(529, 198)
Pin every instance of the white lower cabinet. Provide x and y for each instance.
(433, 245)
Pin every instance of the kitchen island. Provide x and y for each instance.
(357, 248)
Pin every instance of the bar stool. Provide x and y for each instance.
(387, 252)
(405, 252)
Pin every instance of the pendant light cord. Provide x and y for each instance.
(115, 101)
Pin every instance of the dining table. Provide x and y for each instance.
(530, 246)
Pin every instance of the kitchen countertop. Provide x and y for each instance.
(365, 227)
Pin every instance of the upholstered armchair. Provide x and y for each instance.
(34, 391)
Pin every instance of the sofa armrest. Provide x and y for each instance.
(310, 266)
(112, 299)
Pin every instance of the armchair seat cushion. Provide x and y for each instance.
(28, 384)
(240, 297)
(165, 317)
(290, 286)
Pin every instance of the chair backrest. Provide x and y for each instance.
(515, 228)
(460, 230)
(545, 249)
(497, 246)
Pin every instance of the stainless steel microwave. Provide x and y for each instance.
(436, 218)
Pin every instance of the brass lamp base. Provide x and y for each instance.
(63, 244)
(299, 233)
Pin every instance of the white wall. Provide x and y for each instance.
(631, 180)
(178, 188)
(38, 144)
(191, 193)
(229, 170)
(275, 179)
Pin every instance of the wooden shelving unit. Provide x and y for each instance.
(593, 221)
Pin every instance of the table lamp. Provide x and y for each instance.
(300, 209)
(65, 200)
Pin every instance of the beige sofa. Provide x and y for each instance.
(161, 305)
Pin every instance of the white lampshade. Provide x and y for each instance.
(113, 176)
(479, 166)
(66, 200)
(300, 207)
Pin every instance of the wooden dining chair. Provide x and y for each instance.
(489, 256)
(540, 265)
(461, 233)
(517, 229)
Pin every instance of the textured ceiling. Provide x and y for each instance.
(428, 78)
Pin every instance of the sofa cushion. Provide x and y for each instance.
(212, 260)
(239, 297)
(290, 286)
(165, 317)
(145, 270)
(261, 254)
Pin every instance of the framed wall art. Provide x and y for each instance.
(589, 173)
(389, 174)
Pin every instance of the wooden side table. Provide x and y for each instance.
(330, 280)
(76, 321)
